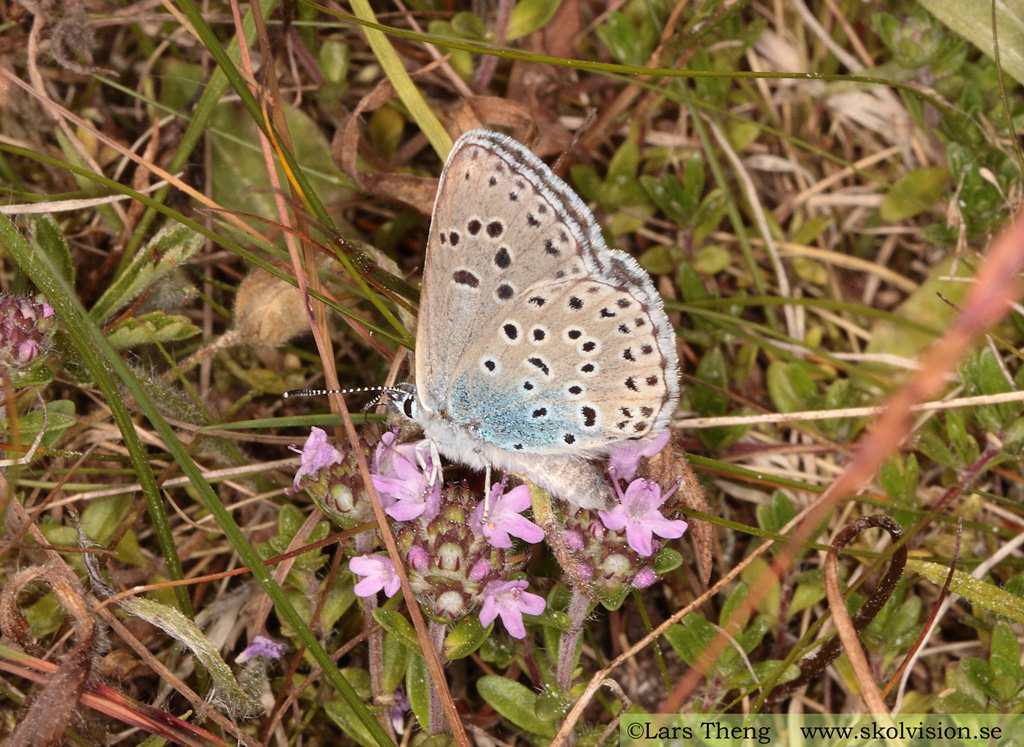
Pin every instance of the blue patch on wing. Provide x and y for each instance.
(508, 421)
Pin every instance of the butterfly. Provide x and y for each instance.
(538, 348)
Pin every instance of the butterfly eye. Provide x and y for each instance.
(409, 408)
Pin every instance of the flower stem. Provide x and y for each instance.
(579, 605)
(437, 722)
(364, 546)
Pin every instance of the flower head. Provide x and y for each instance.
(409, 475)
(316, 454)
(27, 327)
(447, 557)
(503, 517)
(261, 646)
(623, 460)
(638, 514)
(510, 600)
(399, 707)
(378, 572)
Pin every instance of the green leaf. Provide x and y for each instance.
(339, 598)
(618, 34)
(898, 478)
(613, 601)
(708, 401)
(810, 270)
(461, 60)
(360, 681)
(691, 285)
(625, 161)
(667, 560)
(972, 19)
(552, 704)
(156, 326)
(45, 615)
(335, 58)
(103, 516)
(45, 236)
(516, 703)
(733, 602)
(758, 575)
(398, 625)
(238, 172)
(982, 374)
(1004, 652)
(669, 196)
(809, 231)
(341, 714)
(417, 689)
(979, 672)
(498, 650)
(914, 193)
(469, 26)
(963, 443)
(903, 627)
(1013, 439)
(709, 214)
(810, 589)
(710, 260)
(465, 638)
(752, 635)
(588, 184)
(657, 260)
(289, 521)
(973, 590)
(395, 662)
(530, 15)
(170, 249)
(777, 514)
(741, 134)
(762, 671)
(59, 416)
(934, 447)
(791, 388)
(933, 305)
(690, 638)
(438, 740)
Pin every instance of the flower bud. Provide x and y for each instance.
(27, 326)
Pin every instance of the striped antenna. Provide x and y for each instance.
(322, 392)
(401, 396)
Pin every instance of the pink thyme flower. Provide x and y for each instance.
(379, 573)
(503, 517)
(418, 558)
(261, 646)
(623, 460)
(644, 578)
(510, 600)
(638, 514)
(316, 455)
(409, 475)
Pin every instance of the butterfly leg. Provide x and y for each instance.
(487, 491)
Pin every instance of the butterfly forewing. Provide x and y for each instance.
(533, 336)
(479, 257)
